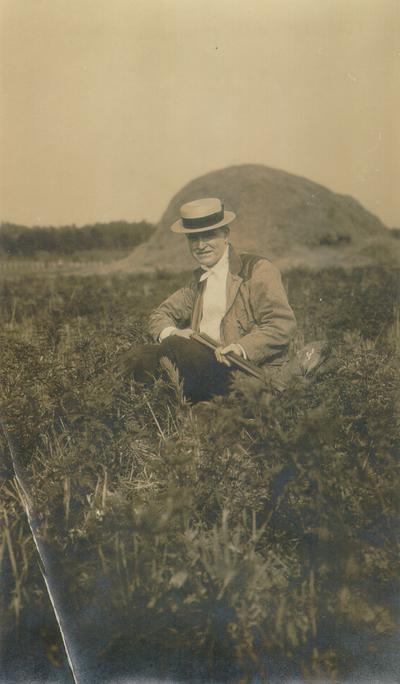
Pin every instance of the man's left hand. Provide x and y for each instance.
(221, 351)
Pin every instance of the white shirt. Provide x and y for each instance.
(214, 297)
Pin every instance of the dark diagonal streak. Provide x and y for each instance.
(42, 553)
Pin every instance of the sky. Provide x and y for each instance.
(109, 107)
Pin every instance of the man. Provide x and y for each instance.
(238, 301)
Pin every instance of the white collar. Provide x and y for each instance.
(220, 268)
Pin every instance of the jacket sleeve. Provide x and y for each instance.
(175, 311)
(274, 319)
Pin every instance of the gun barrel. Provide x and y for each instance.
(244, 365)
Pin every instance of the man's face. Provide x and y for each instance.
(208, 247)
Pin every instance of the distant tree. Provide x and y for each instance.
(22, 241)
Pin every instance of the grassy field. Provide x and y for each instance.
(253, 539)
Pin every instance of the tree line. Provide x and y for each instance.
(22, 241)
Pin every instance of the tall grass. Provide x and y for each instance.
(249, 536)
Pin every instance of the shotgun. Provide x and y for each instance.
(237, 361)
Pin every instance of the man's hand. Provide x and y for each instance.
(186, 332)
(221, 351)
(170, 330)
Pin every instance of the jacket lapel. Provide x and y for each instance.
(232, 286)
(198, 302)
(234, 280)
(198, 307)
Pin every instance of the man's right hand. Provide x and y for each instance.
(186, 332)
(169, 331)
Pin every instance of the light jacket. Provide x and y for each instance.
(258, 315)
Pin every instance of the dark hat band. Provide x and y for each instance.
(204, 221)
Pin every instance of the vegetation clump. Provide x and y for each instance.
(251, 536)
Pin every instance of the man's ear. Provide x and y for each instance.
(227, 231)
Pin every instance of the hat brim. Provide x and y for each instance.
(178, 226)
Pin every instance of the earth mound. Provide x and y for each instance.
(289, 219)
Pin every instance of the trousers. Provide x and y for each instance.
(201, 374)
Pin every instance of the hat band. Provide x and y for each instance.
(204, 221)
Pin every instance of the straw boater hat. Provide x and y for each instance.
(201, 215)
